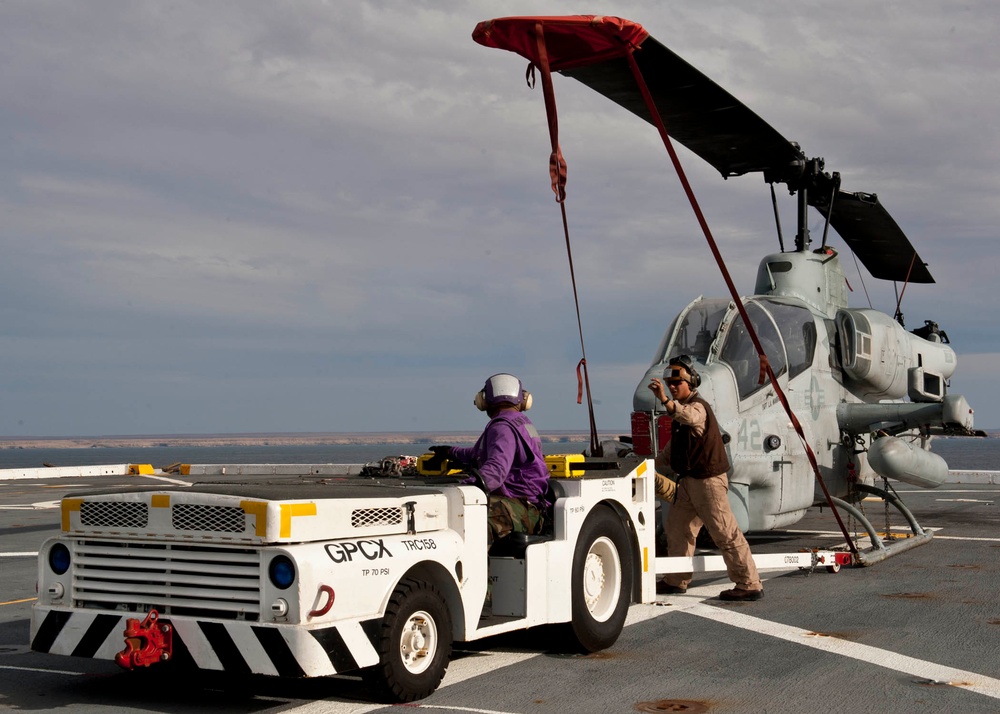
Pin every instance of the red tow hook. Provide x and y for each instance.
(146, 642)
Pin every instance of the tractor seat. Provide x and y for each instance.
(515, 545)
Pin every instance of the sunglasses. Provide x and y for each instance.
(675, 382)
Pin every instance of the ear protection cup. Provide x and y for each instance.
(525, 400)
(480, 400)
(686, 363)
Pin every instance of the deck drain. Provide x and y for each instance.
(688, 706)
(940, 683)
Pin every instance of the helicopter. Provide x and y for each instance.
(818, 402)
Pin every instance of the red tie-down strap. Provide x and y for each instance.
(765, 367)
(562, 42)
(553, 43)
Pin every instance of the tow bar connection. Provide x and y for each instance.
(146, 642)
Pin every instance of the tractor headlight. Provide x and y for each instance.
(59, 558)
(281, 571)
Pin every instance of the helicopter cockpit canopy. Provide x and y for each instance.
(740, 354)
(786, 329)
(692, 331)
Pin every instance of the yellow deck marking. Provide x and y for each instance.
(15, 602)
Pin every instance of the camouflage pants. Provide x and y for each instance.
(512, 515)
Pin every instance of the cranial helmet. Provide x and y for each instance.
(502, 389)
(682, 367)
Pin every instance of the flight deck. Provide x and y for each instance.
(915, 632)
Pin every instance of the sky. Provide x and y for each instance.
(304, 216)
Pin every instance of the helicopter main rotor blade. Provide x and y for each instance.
(723, 131)
(868, 229)
(708, 120)
(697, 112)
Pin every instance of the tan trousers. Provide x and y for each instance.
(705, 501)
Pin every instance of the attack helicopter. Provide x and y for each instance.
(844, 398)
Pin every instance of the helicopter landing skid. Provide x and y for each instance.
(882, 549)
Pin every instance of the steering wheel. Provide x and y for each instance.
(478, 480)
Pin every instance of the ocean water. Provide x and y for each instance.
(970, 454)
(967, 454)
(160, 456)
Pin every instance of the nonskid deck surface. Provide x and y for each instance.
(916, 632)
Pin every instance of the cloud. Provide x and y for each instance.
(309, 216)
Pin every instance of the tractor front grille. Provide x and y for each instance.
(218, 519)
(365, 517)
(114, 514)
(174, 578)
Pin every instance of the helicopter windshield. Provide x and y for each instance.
(699, 323)
(741, 356)
(798, 331)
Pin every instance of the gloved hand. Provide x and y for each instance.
(666, 488)
(443, 452)
(441, 455)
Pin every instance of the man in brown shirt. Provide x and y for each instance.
(696, 455)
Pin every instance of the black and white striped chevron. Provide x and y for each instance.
(237, 647)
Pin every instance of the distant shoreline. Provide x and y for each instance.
(307, 439)
(290, 439)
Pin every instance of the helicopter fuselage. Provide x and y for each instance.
(838, 369)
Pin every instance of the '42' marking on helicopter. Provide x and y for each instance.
(749, 435)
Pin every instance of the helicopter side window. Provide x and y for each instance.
(741, 356)
(798, 331)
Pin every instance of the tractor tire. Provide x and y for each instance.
(601, 581)
(414, 644)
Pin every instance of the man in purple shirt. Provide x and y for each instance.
(509, 457)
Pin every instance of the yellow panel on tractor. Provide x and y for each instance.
(561, 465)
(441, 469)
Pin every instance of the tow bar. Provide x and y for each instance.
(808, 559)
(146, 642)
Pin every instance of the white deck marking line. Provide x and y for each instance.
(168, 479)
(43, 671)
(936, 491)
(18, 555)
(960, 678)
(464, 668)
(40, 506)
(836, 534)
(452, 707)
(458, 671)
